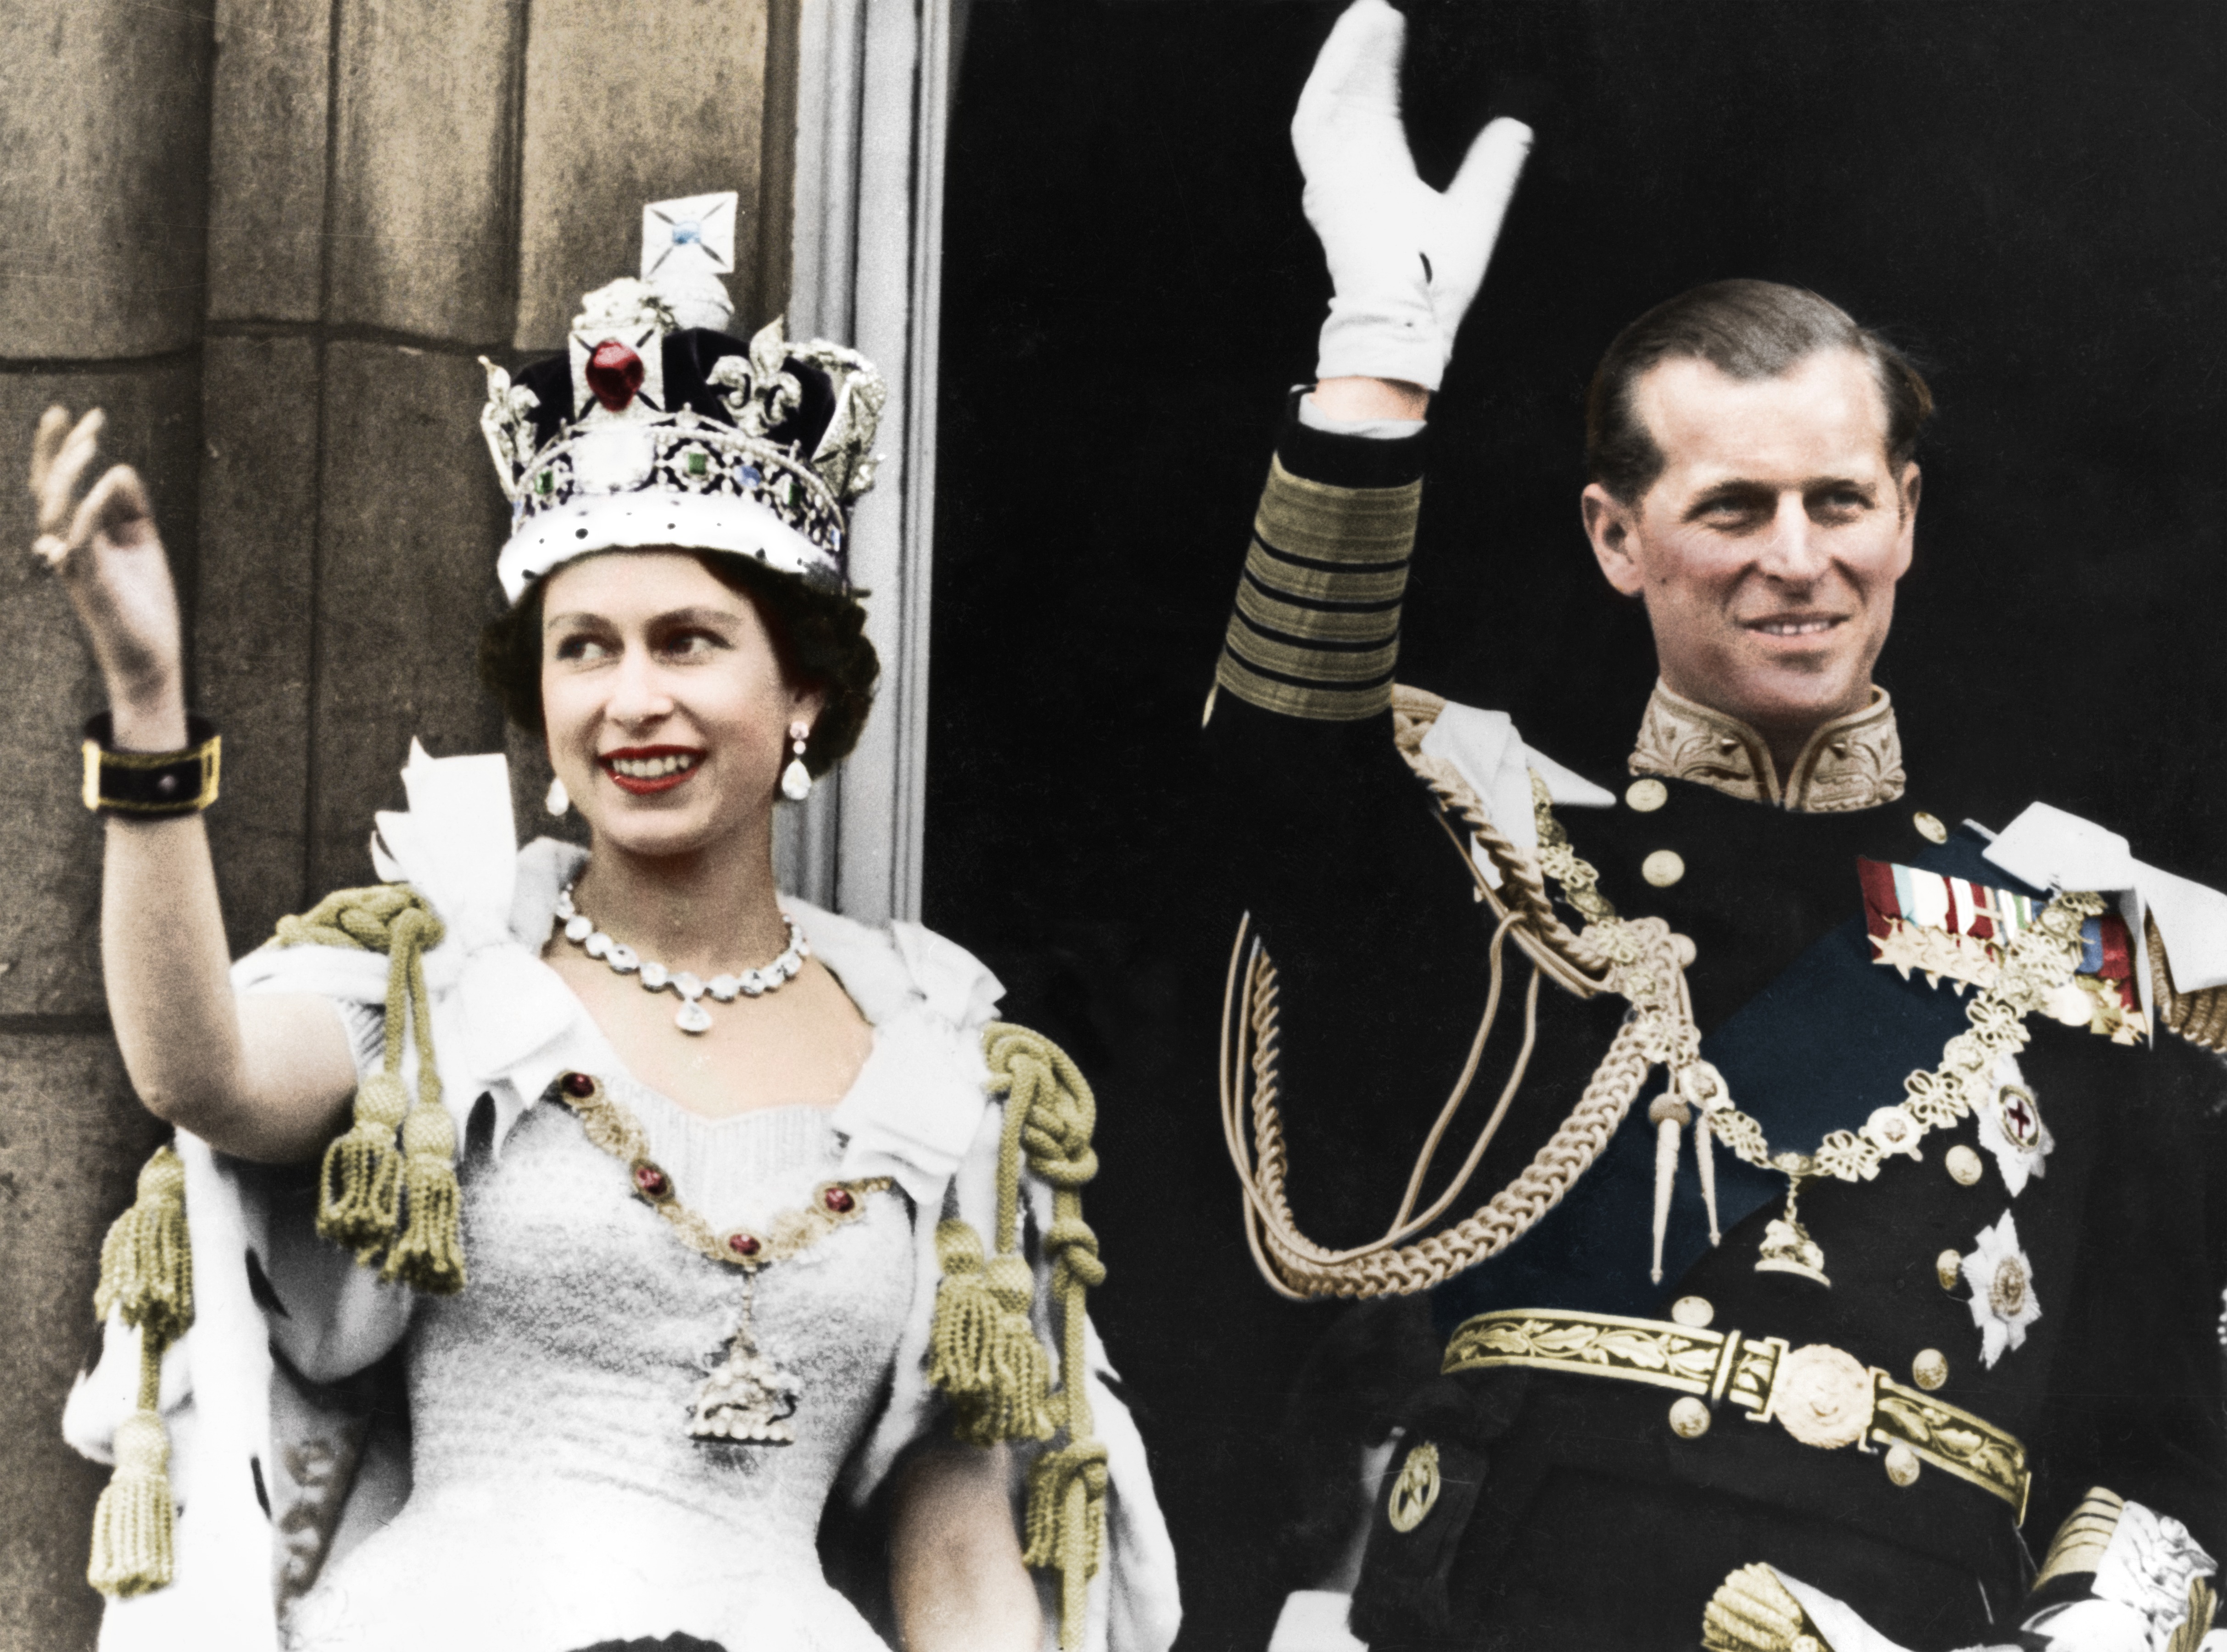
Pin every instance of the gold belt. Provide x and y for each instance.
(1821, 1395)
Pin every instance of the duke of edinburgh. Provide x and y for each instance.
(1832, 1253)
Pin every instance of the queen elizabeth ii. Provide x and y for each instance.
(682, 1212)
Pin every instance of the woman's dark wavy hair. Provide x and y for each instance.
(1745, 330)
(819, 638)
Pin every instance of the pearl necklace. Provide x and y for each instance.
(581, 931)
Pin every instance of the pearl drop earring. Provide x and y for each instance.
(559, 800)
(796, 779)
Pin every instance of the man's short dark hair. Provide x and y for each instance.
(1745, 330)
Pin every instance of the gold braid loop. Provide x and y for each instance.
(387, 1188)
(1637, 960)
(146, 1281)
(1301, 1268)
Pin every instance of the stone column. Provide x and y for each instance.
(104, 116)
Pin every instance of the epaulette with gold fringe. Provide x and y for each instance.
(2199, 1016)
(984, 1352)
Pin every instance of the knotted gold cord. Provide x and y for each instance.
(147, 1281)
(395, 1207)
(983, 1348)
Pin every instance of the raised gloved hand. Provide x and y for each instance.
(1405, 260)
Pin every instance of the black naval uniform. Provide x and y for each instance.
(1568, 1513)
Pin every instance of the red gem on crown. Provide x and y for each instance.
(652, 1181)
(838, 1200)
(741, 1244)
(614, 374)
(579, 1084)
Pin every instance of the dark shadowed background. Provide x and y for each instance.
(2027, 196)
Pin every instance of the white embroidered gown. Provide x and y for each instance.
(557, 1498)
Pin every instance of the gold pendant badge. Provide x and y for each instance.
(1416, 1493)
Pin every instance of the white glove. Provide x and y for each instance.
(1405, 260)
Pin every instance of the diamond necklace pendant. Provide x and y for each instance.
(654, 976)
(747, 1396)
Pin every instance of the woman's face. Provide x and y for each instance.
(668, 713)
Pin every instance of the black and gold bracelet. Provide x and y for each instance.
(148, 785)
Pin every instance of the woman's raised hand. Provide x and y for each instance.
(104, 548)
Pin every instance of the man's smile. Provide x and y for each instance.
(1794, 626)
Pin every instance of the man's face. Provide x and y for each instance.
(1768, 549)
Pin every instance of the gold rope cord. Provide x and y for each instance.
(1299, 1268)
(1065, 1519)
(983, 1355)
(1640, 961)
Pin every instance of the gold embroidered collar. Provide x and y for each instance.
(1853, 762)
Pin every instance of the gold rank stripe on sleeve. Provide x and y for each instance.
(1315, 631)
(2086, 1533)
(1819, 1394)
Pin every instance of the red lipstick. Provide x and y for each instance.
(642, 771)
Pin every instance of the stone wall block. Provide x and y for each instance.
(412, 521)
(49, 846)
(423, 168)
(267, 159)
(255, 617)
(72, 1140)
(627, 103)
(104, 116)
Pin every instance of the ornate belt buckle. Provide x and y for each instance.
(1822, 1396)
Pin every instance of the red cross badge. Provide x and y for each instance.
(2021, 1118)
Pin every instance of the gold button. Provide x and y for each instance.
(1663, 868)
(1949, 1268)
(1930, 827)
(1902, 1465)
(1647, 795)
(1963, 1165)
(1689, 1418)
(1929, 1369)
(1693, 1310)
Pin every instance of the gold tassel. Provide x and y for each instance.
(134, 1525)
(983, 1350)
(359, 1193)
(1017, 1405)
(1050, 1117)
(1065, 1525)
(146, 1281)
(959, 1342)
(429, 1254)
(147, 1259)
(399, 1204)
